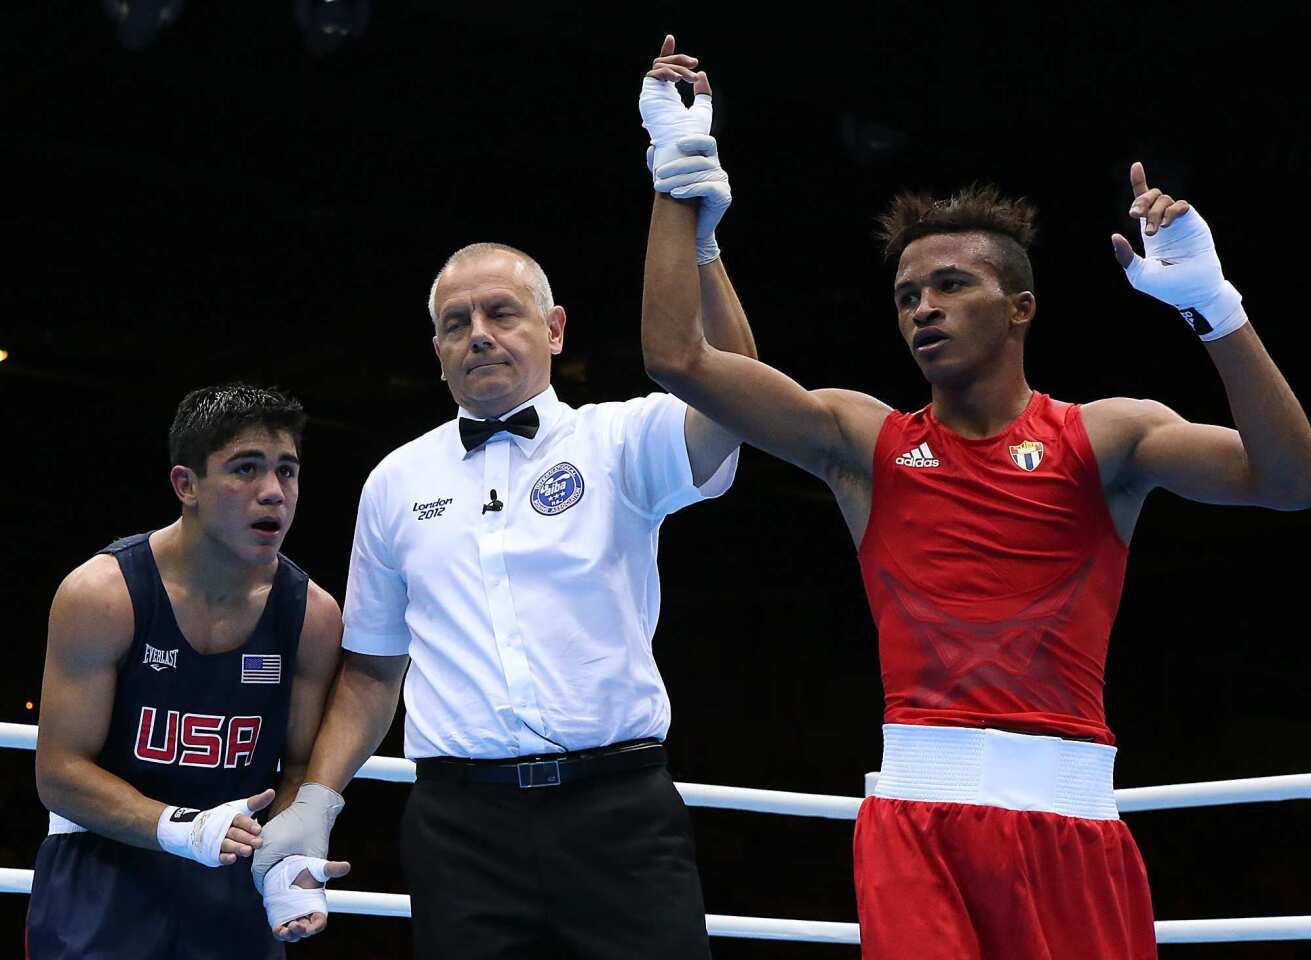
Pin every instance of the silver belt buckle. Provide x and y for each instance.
(541, 773)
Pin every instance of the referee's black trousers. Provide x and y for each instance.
(598, 869)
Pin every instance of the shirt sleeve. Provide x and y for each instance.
(376, 595)
(657, 474)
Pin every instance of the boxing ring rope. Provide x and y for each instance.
(1169, 797)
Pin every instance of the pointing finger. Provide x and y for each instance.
(1138, 179)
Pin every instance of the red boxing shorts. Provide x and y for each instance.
(954, 881)
(973, 880)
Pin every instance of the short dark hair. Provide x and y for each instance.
(208, 418)
(979, 208)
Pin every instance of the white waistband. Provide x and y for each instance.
(995, 768)
(60, 824)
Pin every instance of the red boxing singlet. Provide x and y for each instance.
(993, 571)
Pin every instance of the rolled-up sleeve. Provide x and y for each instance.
(656, 468)
(376, 595)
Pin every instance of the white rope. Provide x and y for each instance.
(810, 931)
(1214, 793)
(1233, 931)
(15, 881)
(770, 801)
(394, 769)
(22, 736)
(368, 904)
(766, 928)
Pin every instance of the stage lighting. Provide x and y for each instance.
(328, 24)
(139, 21)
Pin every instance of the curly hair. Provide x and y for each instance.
(979, 208)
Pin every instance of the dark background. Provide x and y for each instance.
(227, 204)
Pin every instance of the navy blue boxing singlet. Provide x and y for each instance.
(199, 729)
(188, 729)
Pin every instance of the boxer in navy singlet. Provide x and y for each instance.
(183, 665)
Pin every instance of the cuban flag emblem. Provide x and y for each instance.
(261, 668)
(1027, 455)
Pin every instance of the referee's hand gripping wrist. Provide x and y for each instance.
(697, 175)
(300, 830)
(215, 837)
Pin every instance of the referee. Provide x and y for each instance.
(510, 556)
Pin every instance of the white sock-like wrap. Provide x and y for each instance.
(198, 834)
(668, 120)
(300, 830)
(1182, 269)
(283, 900)
(676, 132)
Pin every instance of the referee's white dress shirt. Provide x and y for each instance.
(536, 618)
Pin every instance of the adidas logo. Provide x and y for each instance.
(921, 456)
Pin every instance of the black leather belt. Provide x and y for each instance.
(546, 770)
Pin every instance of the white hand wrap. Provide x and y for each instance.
(677, 132)
(301, 829)
(198, 834)
(697, 173)
(1182, 269)
(667, 120)
(284, 901)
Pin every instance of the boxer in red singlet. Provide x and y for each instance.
(992, 529)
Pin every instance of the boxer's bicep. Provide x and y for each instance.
(90, 630)
(1143, 445)
(1199, 461)
(812, 429)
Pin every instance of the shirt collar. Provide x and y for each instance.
(548, 407)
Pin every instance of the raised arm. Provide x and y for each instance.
(727, 329)
(826, 431)
(91, 627)
(821, 431)
(724, 320)
(1266, 461)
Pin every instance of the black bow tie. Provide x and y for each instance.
(474, 433)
